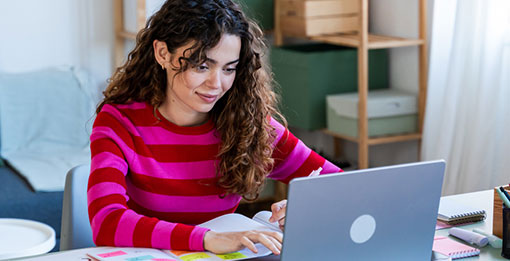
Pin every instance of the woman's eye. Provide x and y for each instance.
(230, 70)
(201, 68)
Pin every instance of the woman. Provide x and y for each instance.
(186, 129)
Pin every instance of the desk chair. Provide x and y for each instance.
(76, 231)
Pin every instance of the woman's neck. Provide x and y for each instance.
(180, 117)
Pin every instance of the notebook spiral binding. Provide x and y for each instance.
(475, 213)
(465, 253)
(460, 219)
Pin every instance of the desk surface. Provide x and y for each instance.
(481, 199)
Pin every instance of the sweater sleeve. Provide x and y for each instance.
(113, 222)
(293, 158)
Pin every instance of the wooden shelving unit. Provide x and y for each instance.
(364, 41)
(121, 35)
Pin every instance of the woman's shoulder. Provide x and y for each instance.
(127, 112)
(279, 127)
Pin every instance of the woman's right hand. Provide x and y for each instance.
(226, 242)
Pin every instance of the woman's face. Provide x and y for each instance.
(196, 90)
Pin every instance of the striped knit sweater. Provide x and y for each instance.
(152, 181)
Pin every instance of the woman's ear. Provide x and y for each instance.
(161, 54)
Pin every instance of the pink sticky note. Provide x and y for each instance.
(112, 254)
(441, 225)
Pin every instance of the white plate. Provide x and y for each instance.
(21, 237)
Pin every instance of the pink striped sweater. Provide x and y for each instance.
(152, 181)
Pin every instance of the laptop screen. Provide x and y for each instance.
(379, 213)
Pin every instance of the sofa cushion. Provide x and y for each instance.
(45, 123)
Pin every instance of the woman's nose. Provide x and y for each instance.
(214, 80)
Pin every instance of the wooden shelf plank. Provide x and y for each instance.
(374, 41)
(395, 138)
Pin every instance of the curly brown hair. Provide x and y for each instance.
(242, 115)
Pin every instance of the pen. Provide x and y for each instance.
(504, 198)
(504, 192)
(315, 172)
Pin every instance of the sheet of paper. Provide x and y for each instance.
(263, 217)
(233, 222)
(237, 222)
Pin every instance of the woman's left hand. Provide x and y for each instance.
(278, 209)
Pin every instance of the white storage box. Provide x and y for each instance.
(389, 112)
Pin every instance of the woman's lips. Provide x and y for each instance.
(207, 97)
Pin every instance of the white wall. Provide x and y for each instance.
(36, 34)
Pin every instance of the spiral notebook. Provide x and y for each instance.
(452, 248)
(453, 213)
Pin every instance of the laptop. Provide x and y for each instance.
(386, 213)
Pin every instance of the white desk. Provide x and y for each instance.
(481, 199)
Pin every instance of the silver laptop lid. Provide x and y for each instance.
(386, 213)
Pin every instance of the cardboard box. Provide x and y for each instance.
(302, 18)
(389, 112)
(306, 73)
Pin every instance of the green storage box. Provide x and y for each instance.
(376, 126)
(307, 73)
(261, 11)
(389, 112)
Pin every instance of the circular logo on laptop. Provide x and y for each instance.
(362, 229)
